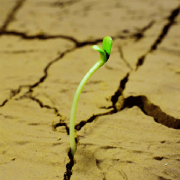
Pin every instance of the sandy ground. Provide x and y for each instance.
(128, 116)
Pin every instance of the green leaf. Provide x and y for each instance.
(97, 48)
(107, 44)
(101, 51)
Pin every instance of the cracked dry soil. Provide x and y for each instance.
(128, 116)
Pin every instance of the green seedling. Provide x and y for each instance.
(104, 56)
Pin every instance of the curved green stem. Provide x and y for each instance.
(104, 55)
(96, 66)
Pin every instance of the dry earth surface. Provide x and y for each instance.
(128, 116)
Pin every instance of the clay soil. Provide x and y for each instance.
(128, 116)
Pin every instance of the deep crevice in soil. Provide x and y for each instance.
(146, 107)
(152, 110)
(119, 91)
(69, 165)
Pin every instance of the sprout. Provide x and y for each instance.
(104, 56)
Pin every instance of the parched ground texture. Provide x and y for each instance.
(128, 116)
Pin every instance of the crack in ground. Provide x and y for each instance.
(44, 36)
(123, 58)
(42, 79)
(162, 35)
(152, 110)
(56, 111)
(140, 34)
(143, 103)
(3, 103)
(119, 103)
(54, 126)
(116, 98)
(166, 28)
(13, 93)
(40, 36)
(10, 17)
(78, 44)
(69, 165)
(30, 88)
(80, 125)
